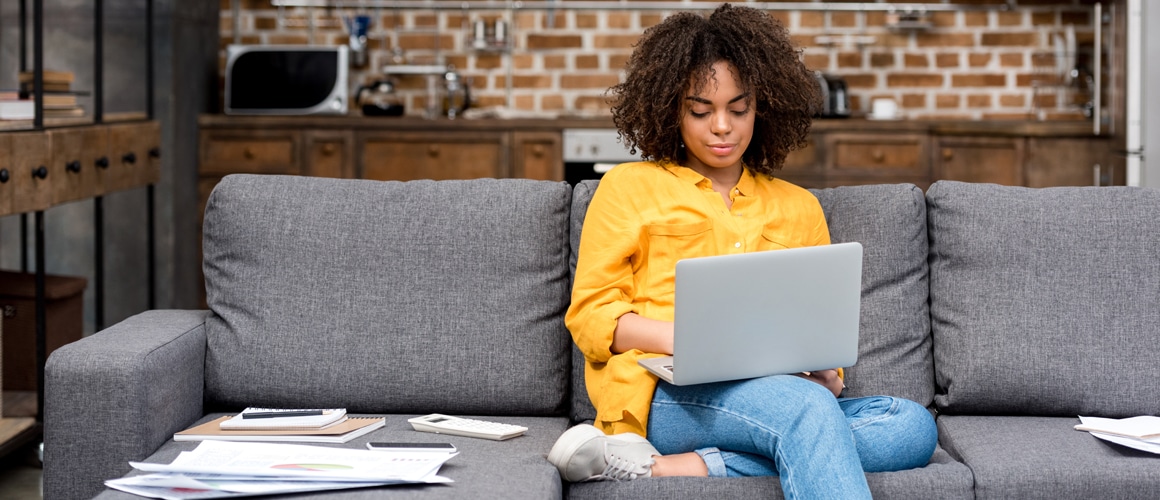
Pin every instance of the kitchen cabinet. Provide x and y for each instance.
(537, 155)
(876, 158)
(405, 156)
(803, 167)
(1072, 161)
(997, 160)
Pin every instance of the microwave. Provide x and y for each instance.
(286, 80)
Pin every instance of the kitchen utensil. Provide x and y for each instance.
(456, 95)
(379, 99)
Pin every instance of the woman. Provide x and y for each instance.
(713, 105)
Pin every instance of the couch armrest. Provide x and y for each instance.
(119, 395)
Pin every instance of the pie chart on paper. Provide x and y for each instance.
(312, 467)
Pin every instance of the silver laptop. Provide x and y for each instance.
(764, 313)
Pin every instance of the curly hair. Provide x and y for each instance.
(677, 56)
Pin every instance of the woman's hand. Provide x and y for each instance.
(827, 378)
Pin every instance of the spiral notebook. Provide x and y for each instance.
(324, 419)
(341, 432)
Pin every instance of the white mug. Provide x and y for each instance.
(884, 109)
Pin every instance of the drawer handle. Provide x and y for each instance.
(248, 153)
(4, 176)
(103, 162)
(129, 158)
(40, 172)
(538, 150)
(948, 154)
(155, 152)
(433, 150)
(328, 149)
(878, 155)
(73, 166)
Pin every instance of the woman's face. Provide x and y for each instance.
(717, 123)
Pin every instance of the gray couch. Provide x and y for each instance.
(1007, 311)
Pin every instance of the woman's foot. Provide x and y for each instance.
(585, 453)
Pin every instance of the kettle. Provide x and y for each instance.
(456, 95)
(379, 99)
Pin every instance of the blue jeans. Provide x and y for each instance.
(791, 427)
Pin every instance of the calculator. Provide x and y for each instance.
(458, 426)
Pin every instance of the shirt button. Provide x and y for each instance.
(737, 245)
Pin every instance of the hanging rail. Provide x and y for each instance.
(624, 5)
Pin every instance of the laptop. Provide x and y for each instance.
(764, 313)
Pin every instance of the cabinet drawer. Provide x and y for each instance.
(74, 162)
(467, 156)
(886, 154)
(31, 179)
(7, 183)
(995, 160)
(250, 153)
(128, 157)
(149, 143)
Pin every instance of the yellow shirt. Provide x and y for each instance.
(643, 218)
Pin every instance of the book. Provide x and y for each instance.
(340, 433)
(17, 110)
(49, 76)
(246, 420)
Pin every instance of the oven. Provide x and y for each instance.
(590, 152)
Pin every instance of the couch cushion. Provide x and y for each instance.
(582, 409)
(515, 468)
(894, 353)
(1044, 458)
(1044, 301)
(942, 478)
(388, 297)
(894, 345)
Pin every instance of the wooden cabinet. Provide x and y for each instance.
(874, 158)
(7, 176)
(997, 160)
(1073, 161)
(537, 155)
(30, 154)
(405, 156)
(803, 167)
(329, 154)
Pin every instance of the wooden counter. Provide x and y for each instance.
(840, 151)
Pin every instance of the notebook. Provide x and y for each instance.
(284, 419)
(764, 313)
(346, 430)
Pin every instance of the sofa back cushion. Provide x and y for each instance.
(388, 297)
(894, 344)
(1045, 301)
(894, 352)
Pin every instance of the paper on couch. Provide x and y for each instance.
(289, 461)
(1124, 432)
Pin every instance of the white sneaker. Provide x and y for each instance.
(584, 453)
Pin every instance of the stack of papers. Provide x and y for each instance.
(219, 469)
(1141, 433)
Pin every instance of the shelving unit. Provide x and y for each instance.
(48, 162)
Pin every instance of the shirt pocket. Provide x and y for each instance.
(772, 238)
(668, 243)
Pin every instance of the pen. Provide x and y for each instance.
(276, 414)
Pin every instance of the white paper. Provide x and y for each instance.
(179, 487)
(298, 462)
(1145, 427)
(1151, 445)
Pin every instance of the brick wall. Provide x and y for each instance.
(970, 64)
